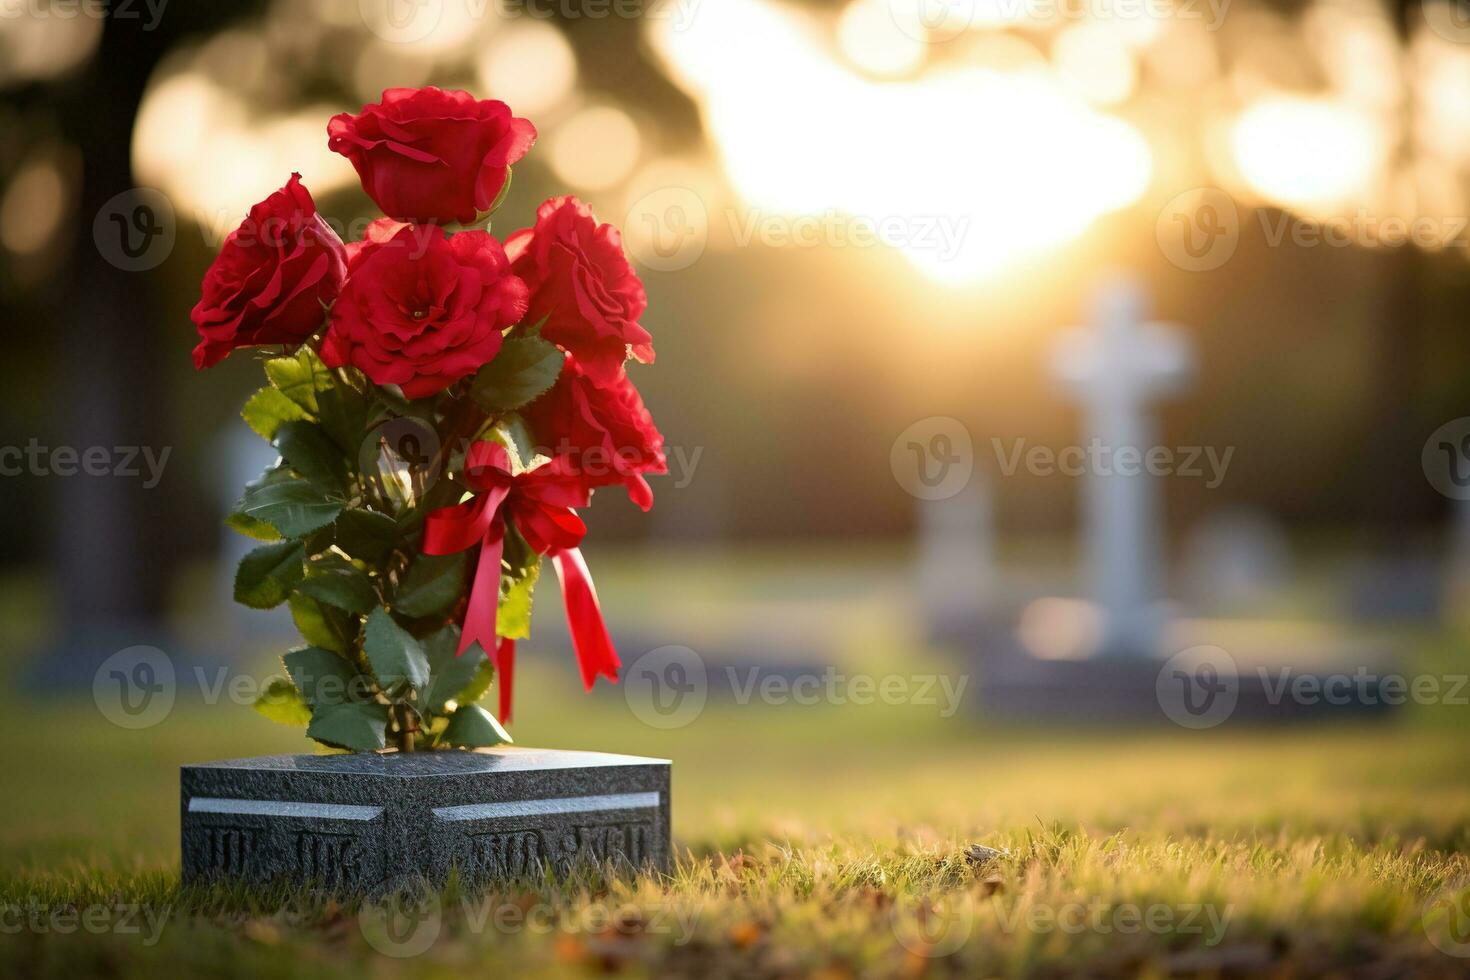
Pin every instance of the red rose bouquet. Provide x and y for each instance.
(443, 405)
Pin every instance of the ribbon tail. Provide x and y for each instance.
(480, 615)
(595, 653)
(505, 667)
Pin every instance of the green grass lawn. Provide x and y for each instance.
(835, 839)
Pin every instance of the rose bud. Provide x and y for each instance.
(431, 156)
(271, 278)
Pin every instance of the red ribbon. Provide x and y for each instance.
(540, 503)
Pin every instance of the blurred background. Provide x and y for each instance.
(865, 225)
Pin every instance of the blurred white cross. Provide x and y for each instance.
(1115, 367)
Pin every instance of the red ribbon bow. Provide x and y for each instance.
(539, 502)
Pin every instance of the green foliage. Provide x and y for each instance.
(360, 726)
(341, 584)
(472, 727)
(267, 574)
(322, 677)
(280, 701)
(322, 625)
(432, 584)
(306, 449)
(525, 368)
(460, 678)
(293, 507)
(396, 657)
(366, 534)
(517, 587)
(268, 409)
(300, 376)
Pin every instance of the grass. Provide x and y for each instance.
(839, 840)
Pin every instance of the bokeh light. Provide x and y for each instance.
(1305, 152)
(529, 65)
(596, 148)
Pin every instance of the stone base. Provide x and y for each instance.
(370, 823)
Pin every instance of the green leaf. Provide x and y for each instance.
(340, 584)
(432, 585)
(314, 457)
(323, 677)
(524, 368)
(293, 507)
(344, 413)
(323, 626)
(359, 726)
(268, 574)
(513, 620)
(454, 678)
(395, 655)
(268, 409)
(300, 376)
(499, 197)
(366, 534)
(473, 727)
(516, 436)
(252, 528)
(280, 701)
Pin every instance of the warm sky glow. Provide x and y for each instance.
(1310, 153)
(1013, 159)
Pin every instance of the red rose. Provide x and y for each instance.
(602, 433)
(269, 281)
(420, 309)
(581, 282)
(427, 155)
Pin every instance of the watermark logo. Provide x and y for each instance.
(403, 456)
(1450, 19)
(135, 688)
(934, 458)
(667, 687)
(933, 925)
(401, 21)
(404, 923)
(1446, 459)
(667, 229)
(135, 230)
(1198, 687)
(1446, 920)
(1199, 229)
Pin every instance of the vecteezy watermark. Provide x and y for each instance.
(1098, 458)
(942, 234)
(136, 229)
(401, 457)
(416, 21)
(939, 924)
(1446, 921)
(933, 458)
(150, 12)
(667, 229)
(35, 459)
(937, 21)
(1199, 230)
(1450, 19)
(1446, 459)
(138, 687)
(1200, 687)
(407, 922)
(135, 687)
(669, 687)
(115, 918)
